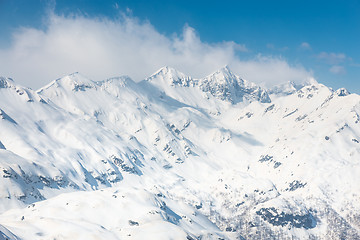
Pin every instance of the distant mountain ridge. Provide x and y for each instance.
(222, 84)
(176, 157)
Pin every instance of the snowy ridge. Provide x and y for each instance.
(177, 157)
(73, 82)
(286, 88)
(222, 84)
(290, 87)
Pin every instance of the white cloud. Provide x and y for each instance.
(337, 69)
(101, 48)
(272, 47)
(241, 48)
(270, 70)
(305, 46)
(332, 58)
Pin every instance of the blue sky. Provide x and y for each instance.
(300, 39)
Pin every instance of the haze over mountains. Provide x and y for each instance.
(173, 157)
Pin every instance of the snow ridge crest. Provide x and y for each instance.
(222, 84)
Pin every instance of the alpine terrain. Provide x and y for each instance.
(174, 157)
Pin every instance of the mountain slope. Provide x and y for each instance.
(280, 163)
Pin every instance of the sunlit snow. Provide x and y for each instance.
(173, 157)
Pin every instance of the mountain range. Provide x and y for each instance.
(175, 157)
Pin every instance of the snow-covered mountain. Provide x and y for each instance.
(173, 157)
(222, 84)
(226, 86)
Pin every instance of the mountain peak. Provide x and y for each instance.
(225, 85)
(342, 92)
(310, 81)
(170, 76)
(74, 82)
(168, 71)
(223, 75)
(6, 82)
(225, 69)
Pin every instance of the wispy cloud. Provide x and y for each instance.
(102, 48)
(241, 48)
(353, 64)
(270, 46)
(332, 58)
(116, 5)
(273, 47)
(305, 46)
(273, 69)
(336, 69)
